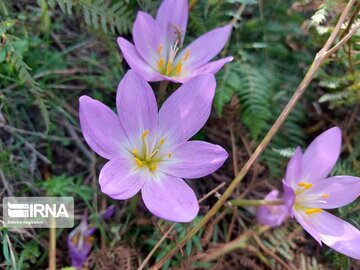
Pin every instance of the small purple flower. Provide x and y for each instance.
(108, 212)
(308, 192)
(272, 215)
(148, 150)
(158, 54)
(80, 242)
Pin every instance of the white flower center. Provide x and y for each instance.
(148, 156)
(166, 65)
(301, 198)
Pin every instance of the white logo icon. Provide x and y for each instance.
(18, 210)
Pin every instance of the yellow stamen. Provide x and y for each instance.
(305, 185)
(89, 240)
(159, 49)
(145, 133)
(313, 211)
(178, 68)
(169, 155)
(74, 239)
(138, 162)
(186, 56)
(325, 196)
(162, 140)
(168, 67)
(134, 151)
(161, 64)
(153, 166)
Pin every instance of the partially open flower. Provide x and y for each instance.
(80, 242)
(148, 150)
(308, 191)
(158, 54)
(272, 215)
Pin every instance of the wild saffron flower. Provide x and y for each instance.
(80, 240)
(147, 149)
(158, 54)
(272, 215)
(308, 192)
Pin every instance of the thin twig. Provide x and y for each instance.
(40, 135)
(233, 149)
(238, 14)
(165, 235)
(32, 148)
(270, 253)
(344, 40)
(70, 129)
(13, 260)
(320, 57)
(212, 192)
(6, 184)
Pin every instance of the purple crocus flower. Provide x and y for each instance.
(308, 191)
(158, 54)
(80, 242)
(147, 149)
(272, 215)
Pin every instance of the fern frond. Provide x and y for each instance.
(322, 13)
(285, 152)
(253, 85)
(254, 91)
(227, 81)
(111, 18)
(6, 25)
(23, 69)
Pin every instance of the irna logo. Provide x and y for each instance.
(34, 210)
(38, 212)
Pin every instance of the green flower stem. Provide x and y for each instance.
(162, 91)
(239, 202)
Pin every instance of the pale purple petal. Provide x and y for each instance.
(101, 128)
(78, 256)
(289, 196)
(335, 233)
(206, 47)
(148, 37)
(306, 222)
(136, 62)
(333, 192)
(211, 67)
(137, 107)
(272, 215)
(185, 112)
(170, 198)
(187, 74)
(194, 159)
(294, 167)
(172, 17)
(119, 180)
(321, 155)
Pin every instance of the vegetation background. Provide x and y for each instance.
(53, 51)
